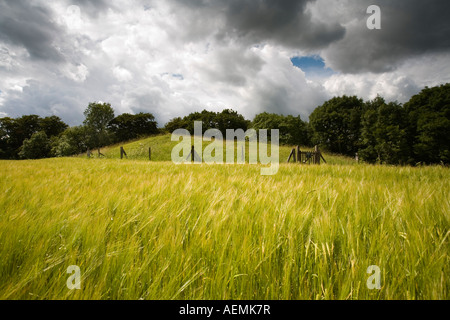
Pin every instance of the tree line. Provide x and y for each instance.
(33, 137)
(388, 133)
(377, 131)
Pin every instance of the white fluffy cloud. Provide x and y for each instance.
(399, 85)
(171, 58)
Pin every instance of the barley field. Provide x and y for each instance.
(156, 230)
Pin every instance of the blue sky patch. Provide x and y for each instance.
(312, 66)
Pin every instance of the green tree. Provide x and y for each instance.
(293, 130)
(37, 147)
(52, 126)
(229, 119)
(13, 132)
(337, 124)
(174, 124)
(7, 126)
(208, 119)
(98, 116)
(428, 127)
(368, 151)
(74, 140)
(127, 126)
(266, 120)
(20, 129)
(390, 134)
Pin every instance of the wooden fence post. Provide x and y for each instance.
(122, 153)
(299, 154)
(322, 157)
(316, 155)
(150, 154)
(316, 159)
(292, 154)
(100, 154)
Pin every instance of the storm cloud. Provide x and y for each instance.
(283, 22)
(30, 25)
(410, 28)
(174, 57)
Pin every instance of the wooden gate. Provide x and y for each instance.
(306, 157)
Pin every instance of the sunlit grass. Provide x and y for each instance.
(161, 149)
(148, 230)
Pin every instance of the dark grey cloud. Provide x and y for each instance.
(30, 25)
(55, 94)
(92, 7)
(283, 22)
(410, 28)
(45, 100)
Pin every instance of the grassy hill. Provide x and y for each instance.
(162, 146)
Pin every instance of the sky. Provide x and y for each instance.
(174, 57)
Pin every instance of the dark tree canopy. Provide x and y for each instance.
(429, 125)
(75, 140)
(174, 124)
(230, 119)
(13, 132)
(369, 119)
(293, 130)
(127, 126)
(37, 147)
(337, 124)
(227, 119)
(52, 126)
(98, 116)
